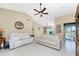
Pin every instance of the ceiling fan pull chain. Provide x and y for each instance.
(40, 7)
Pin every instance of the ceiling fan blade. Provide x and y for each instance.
(43, 10)
(36, 10)
(45, 13)
(36, 14)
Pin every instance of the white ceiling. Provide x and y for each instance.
(54, 10)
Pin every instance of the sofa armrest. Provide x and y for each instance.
(11, 44)
(59, 44)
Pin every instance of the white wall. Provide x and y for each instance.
(69, 18)
(8, 19)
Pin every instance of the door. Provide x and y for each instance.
(70, 37)
(70, 31)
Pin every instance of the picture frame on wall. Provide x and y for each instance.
(58, 28)
(19, 25)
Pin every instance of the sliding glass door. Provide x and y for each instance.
(70, 32)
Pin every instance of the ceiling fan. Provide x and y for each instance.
(41, 11)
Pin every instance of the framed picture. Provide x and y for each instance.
(58, 28)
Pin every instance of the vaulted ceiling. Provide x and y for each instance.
(54, 10)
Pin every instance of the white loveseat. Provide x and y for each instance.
(19, 39)
(50, 41)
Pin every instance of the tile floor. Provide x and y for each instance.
(38, 50)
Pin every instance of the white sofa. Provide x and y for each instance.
(19, 39)
(50, 41)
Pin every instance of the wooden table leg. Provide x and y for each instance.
(0, 44)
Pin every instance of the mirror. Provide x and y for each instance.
(19, 25)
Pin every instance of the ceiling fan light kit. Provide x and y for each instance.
(41, 11)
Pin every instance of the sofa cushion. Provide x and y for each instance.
(19, 39)
(48, 41)
(14, 38)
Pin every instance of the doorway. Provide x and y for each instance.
(70, 37)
